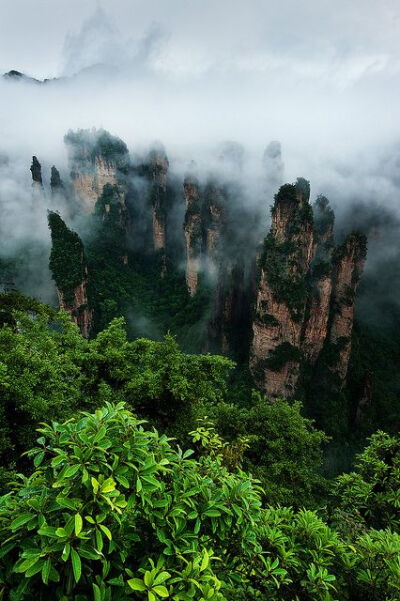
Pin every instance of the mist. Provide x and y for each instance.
(321, 80)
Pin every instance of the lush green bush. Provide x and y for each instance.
(113, 510)
(370, 496)
(284, 450)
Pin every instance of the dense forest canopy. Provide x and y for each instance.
(149, 477)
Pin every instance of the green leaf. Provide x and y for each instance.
(76, 565)
(21, 520)
(66, 552)
(96, 592)
(106, 531)
(148, 578)
(204, 561)
(38, 459)
(100, 434)
(123, 481)
(136, 584)
(161, 591)
(26, 564)
(57, 460)
(64, 502)
(48, 531)
(108, 485)
(71, 471)
(34, 569)
(78, 524)
(162, 578)
(46, 570)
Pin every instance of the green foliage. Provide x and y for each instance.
(286, 194)
(371, 494)
(112, 507)
(67, 259)
(157, 379)
(284, 450)
(48, 370)
(39, 377)
(324, 217)
(94, 143)
(291, 288)
(281, 355)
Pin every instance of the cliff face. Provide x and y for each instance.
(281, 295)
(158, 176)
(56, 184)
(348, 264)
(305, 294)
(193, 232)
(36, 171)
(70, 273)
(214, 221)
(96, 158)
(319, 302)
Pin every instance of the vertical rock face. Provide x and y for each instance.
(113, 226)
(348, 264)
(214, 221)
(364, 399)
(215, 262)
(319, 302)
(316, 326)
(281, 294)
(193, 232)
(36, 171)
(96, 158)
(70, 273)
(158, 174)
(56, 184)
(305, 295)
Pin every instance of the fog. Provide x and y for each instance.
(322, 79)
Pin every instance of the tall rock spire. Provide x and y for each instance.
(193, 231)
(348, 264)
(96, 158)
(281, 295)
(158, 173)
(70, 273)
(36, 170)
(56, 183)
(306, 294)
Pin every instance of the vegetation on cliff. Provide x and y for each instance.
(67, 259)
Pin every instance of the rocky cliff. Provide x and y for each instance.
(70, 273)
(305, 293)
(193, 232)
(348, 264)
(36, 171)
(56, 184)
(158, 166)
(96, 158)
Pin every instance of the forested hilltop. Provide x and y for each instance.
(202, 411)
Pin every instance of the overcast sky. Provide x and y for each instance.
(321, 76)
